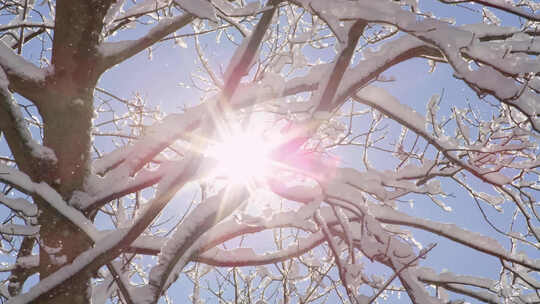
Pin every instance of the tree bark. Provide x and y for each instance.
(67, 111)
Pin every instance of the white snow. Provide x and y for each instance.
(200, 8)
(350, 192)
(11, 106)
(15, 229)
(16, 65)
(23, 183)
(19, 204)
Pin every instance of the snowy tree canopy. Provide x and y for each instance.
(314, 151)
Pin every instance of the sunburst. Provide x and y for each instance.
(242, 157)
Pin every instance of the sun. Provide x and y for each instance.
(242, 157)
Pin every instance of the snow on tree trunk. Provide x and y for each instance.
(346, 158)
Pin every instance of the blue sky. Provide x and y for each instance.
(158, 81)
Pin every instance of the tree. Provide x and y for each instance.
(309, 75)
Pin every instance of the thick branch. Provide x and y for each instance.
(19, 275)
(31, 157)
(112, 245)
(467, 238)
(385, 103)
(241, 62)
(181, 249)
(48, 195)
(24, 77)
(333, 79)
(116, 52)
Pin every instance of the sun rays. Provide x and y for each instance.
(249, 148)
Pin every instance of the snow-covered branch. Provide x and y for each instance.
(468, 238)
(437, 33)
(116, 52)
(379, 99)
(23, 183)
(185, 244)
(343, 155)
(19, 205)
(506, 6)
(103, 190)
(110, 246)
(15, 229)
(27, 151)
(242, 60)
(24, 77)
(247, 257)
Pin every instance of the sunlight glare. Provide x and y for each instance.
(242, 157)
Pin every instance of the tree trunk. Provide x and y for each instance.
(67, 112)
(70, 138)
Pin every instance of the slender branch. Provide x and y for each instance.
(506, 7)
(26, 24)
